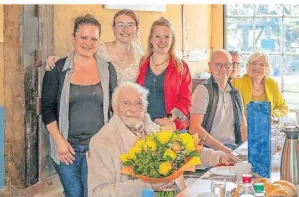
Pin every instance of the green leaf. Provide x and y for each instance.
(177, 132)
(168, 158)
(194, 153)
(138, 156)
(127, 163)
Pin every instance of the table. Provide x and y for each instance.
(199, 185)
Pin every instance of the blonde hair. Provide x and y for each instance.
(254, 55)
(163, 22)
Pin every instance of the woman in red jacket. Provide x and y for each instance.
(167, 78)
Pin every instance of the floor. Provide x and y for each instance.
(49, 187)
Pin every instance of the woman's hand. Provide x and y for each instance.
(50, 63)
(65, 152)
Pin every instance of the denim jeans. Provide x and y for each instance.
(73, 177)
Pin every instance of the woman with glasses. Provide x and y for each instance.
(122, 52)
(256, 85)
(237, 64)
(166, 77)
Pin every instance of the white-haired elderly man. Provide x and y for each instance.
(129, 104)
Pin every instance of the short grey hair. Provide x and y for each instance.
(236, 53)
(126, 85)
(267, 61)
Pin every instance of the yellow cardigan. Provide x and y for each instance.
(273, 94)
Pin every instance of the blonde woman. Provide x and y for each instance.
(122, 52)
(256, 85)
(166, 77)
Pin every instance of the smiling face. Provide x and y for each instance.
(130, 107)
(237, 64)
(161, 39)
(125, 28)
(257, 67)
(221, 65)
(86, 40)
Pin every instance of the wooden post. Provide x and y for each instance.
(14, 100)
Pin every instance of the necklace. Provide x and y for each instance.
(159, 64)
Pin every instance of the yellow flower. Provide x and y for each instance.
(185, 138)
(150, 137)
(190, 147)
(164, 136)
(194, 161)
(150, 144)
(137, 149)
(123, 158)
(164, 168)
(131, 154)
(170, 153)
(140, 143)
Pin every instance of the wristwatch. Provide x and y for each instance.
(169, 116)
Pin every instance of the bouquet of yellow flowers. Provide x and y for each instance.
(162, 157)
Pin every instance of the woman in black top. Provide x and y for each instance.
(76, 104)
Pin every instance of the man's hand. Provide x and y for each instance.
(227, 150)
(162, 121)
(228, 159)
(167, 187)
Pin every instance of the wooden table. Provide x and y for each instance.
(199, 185)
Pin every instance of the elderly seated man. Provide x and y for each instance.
(129, 103)
(217, 108)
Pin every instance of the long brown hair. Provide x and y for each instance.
(163, 22)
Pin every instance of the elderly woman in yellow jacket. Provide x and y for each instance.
(256, 85)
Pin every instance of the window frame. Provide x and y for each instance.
(281, 53)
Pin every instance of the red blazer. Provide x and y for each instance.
(177, 89)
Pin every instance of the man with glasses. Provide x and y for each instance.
(217, 109)
(129, 122)
(237, 59)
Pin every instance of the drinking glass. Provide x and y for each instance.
(218, 185)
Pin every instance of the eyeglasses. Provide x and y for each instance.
(129, 104)
(257, 64)
(226, 65)
(122, 25)
(237, 64)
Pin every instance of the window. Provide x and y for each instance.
(273, 29)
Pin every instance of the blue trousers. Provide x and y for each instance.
(73, 177)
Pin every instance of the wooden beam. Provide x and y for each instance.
(1, 23)
(14, 99)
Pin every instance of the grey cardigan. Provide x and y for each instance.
(56, 89)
